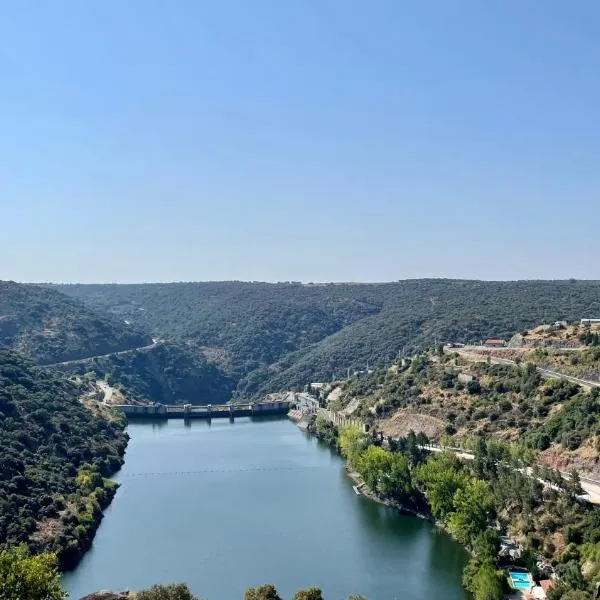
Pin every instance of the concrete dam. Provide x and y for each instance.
(209, 411)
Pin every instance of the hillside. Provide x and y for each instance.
(448, 394)
(495, 493)
(54, 455)
(277, 336)
(246, 325)
(51, 327)
(165, 373)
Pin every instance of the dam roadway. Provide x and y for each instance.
(208, 411)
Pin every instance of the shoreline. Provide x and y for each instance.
(69, 561)
(371, 495)
(303, 423)
(374, 497)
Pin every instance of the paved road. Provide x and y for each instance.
(591, 487)
(120, 353)
(546, 373)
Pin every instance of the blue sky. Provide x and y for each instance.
(312, 140)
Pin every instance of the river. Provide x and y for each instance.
(225, 506)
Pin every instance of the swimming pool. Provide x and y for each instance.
(520, 581)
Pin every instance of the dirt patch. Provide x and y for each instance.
(402, 422)
(218, 356)
(585, 459)
(47, 529)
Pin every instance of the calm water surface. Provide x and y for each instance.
(231, 505)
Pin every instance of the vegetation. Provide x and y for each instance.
(55, 455)
(167, 373)
(579, 420)
(174, 591)
(271, 337)
(448, 396)
(475, 500)
(584, 364)
(26, 577)
(266, 591)
(51, 327)
(324, 430)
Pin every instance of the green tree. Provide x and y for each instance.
(397, 482)
(570, 575)
(266, 591)
(441, 476)
(576, 595)
(373, 464)
(352, 442)
(173, 591)
(574, 483)
(473, 507)
(23, 576)
(487, 545)
(312, 593)
(487, 584)
(474, 387)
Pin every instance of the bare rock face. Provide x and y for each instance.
(108, 596)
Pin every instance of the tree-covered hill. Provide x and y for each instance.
(165, 373)
(54, 455)
(253, 323)
(423, 312)
(274, 336)
(51, 327)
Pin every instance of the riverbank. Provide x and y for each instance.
(307, 423)
(373, 496)
(71, 533)
(301, 419)
(81, 520)
(406, 479)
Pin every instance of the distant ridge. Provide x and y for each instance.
(273, 336)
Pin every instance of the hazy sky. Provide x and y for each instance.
(299, 139)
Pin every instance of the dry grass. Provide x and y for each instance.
(403, 421)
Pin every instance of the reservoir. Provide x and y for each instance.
(226, 505)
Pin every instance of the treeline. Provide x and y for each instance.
(499, 491)
(55, 456)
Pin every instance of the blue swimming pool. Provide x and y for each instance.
(520, 581)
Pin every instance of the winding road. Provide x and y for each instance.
(475, 353)
(66, 363)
